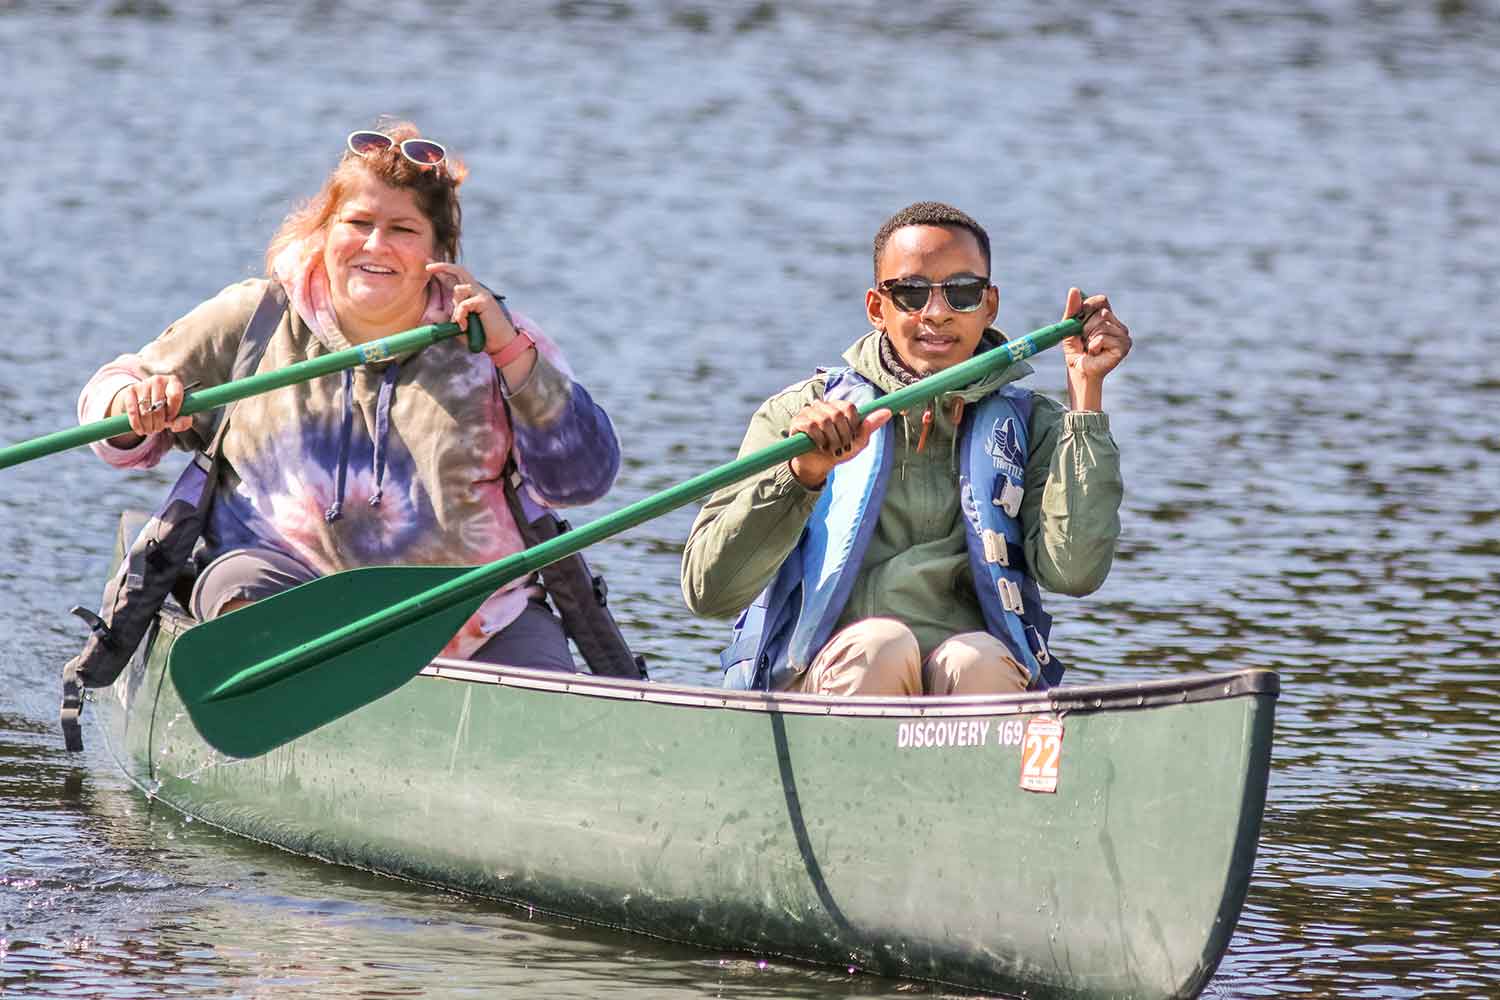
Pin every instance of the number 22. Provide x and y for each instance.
(1041, 755)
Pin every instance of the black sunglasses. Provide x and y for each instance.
(422, 152)
(964, 294)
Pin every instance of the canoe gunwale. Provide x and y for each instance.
(1189, 688)
(1101, 697)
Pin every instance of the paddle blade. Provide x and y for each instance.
(208, 656)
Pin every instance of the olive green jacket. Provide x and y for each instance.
(916, 568)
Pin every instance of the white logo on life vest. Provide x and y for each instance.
(942, 733)
(968, 506)
(1001, 446)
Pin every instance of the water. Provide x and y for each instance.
(1292, 207)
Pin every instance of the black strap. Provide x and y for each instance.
(263, 324)
(133, 600)
(581, 596)
(254, 340)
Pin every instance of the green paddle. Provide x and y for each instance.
(221, 395)
(276, 669)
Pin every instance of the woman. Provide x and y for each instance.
(401, 462)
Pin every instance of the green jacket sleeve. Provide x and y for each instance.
(745, 531)
(1071, 511)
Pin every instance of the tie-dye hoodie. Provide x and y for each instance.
(381, 464)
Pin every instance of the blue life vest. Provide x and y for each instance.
(780, 634)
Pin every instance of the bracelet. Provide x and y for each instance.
(512, 350)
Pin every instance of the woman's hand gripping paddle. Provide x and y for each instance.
(270, 672)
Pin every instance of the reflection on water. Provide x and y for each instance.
(1293, 209)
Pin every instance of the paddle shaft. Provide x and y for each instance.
(484, 580)
(208, 399)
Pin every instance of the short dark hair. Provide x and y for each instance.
(930, 213)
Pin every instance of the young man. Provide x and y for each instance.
(902, 556)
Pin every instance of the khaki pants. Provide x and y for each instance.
(880, 656)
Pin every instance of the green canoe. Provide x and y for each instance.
(893, 835)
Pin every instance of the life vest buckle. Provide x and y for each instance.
(995, 548)
(1010, 595)
(1038, 646)
(1009, 497)
(96, 624)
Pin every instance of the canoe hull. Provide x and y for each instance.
(890, 835)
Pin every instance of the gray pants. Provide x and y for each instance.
(535, 639)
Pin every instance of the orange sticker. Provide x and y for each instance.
(1041, 751)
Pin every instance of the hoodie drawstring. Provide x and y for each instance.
(337, 510)
(958, 416)
(926, 426)
(346, 436)
(927, 420)
(383, 427)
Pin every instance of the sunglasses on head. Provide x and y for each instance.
(422, 152)
(964, 294)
